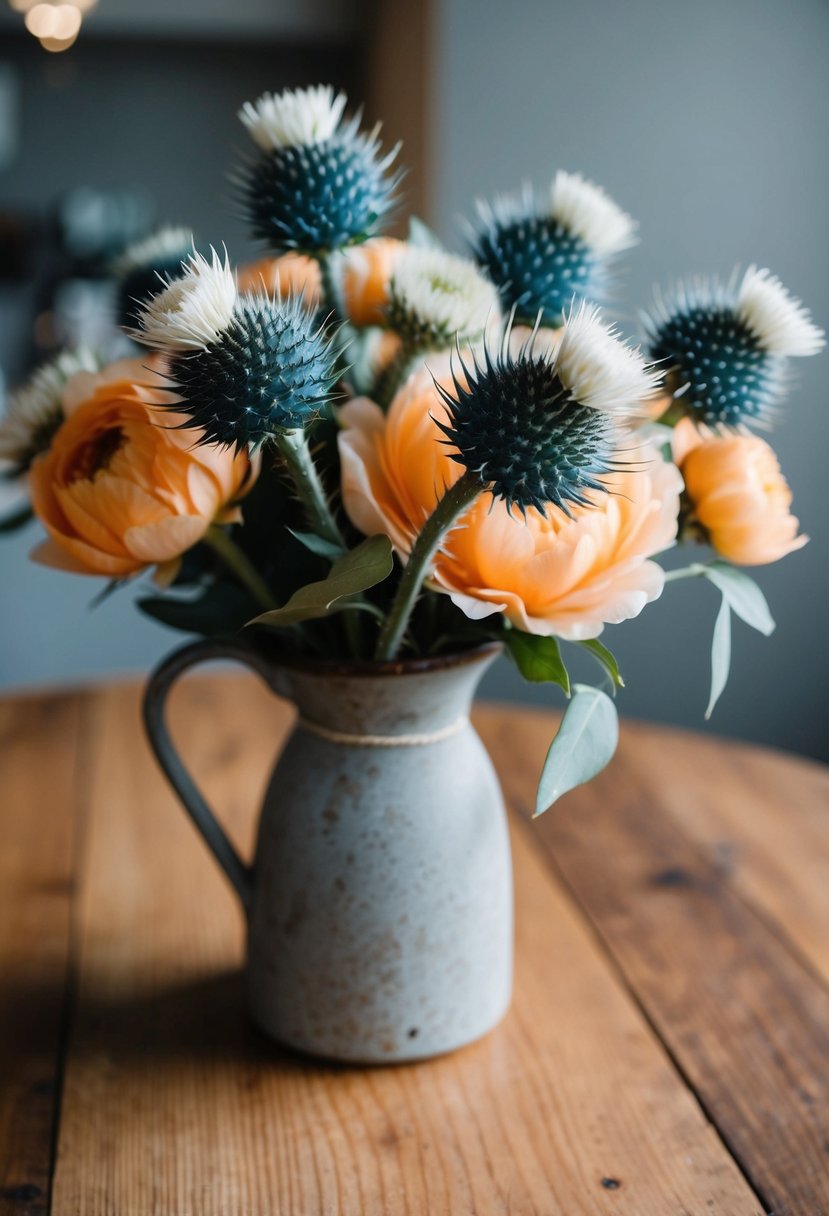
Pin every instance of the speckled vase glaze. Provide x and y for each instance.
(379, 903)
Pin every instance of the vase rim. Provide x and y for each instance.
(392, 667)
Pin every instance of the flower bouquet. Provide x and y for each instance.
(365, 456)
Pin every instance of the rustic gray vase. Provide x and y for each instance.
(379, 902)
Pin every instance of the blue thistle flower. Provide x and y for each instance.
(247, 368)
(316, 185)
(540, 428)
(145, 266)
(544, 259)
(724, 348)
(272, 370)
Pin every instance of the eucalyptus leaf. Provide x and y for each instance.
(584, 744)
(356, 571)
(606, 658)
(219, 609)
(421, 235)
(720, 655)
(538, 658)
(743, 595)
(318, 544)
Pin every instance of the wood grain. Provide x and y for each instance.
(669, 851)
(174, 1104)
(38, 742)
(763, 816)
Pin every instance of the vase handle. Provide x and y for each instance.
(155, 697)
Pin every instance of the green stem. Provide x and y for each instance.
(396, 374)
(239, 564)
(672, 576)
(297, 455)
(454, 502)
(675, 412)
(328, 279)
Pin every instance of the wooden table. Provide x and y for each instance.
(667, 1053)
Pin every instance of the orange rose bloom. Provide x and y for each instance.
(366, 276)
(291, 273)
(548, 575)
(738, 494)
(119, 490)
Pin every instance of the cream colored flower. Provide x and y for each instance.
(587, 211)
(35, 410)
(600, 370)
(191, 312)
(293, 118)
(435, 297)
(780, 322)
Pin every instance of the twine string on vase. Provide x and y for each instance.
(413, 740)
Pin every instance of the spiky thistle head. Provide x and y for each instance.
(244, 368)
(544, 427)
(542, 258)
(723, 347)
(436, 298)
(315, 183)
(145, 266)
(35, 410)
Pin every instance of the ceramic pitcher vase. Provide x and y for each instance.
(379, 900)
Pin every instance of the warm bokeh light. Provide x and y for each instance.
(58, 44)
(21, 6)
(58, 22)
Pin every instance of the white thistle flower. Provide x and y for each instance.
(584, 209)
(780, 322)
(35, 410)
(192, 312)
(599, 370)
(435, 297)
(153, 250)
(293, 118)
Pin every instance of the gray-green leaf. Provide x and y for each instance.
(318, 544)
(421, 235)
(359, 569)
(720, 655)
(743, 595)
(606, 658)
(585, 743)
(538, 659)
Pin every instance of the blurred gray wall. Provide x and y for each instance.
(707, 121)
(118, 113)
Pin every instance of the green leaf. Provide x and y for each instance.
(356, 571)
(585, 743)
(538, 658)
(606, 658)
(318, 544)
(421, 235)
(720, 655)
(114, 584)
(221, 608)
(743, 595)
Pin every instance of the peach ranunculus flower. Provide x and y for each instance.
(119, 489)
(548, 575)
(738, 494)
(290, 274)
(366, 275)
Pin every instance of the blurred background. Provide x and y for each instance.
(705, 121)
